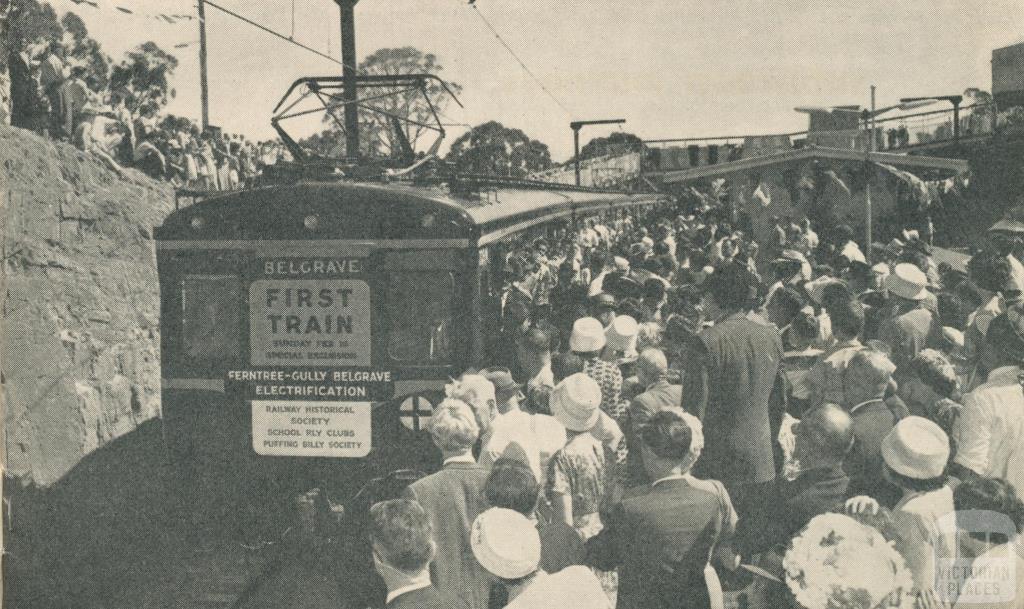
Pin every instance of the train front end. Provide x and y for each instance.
(307, 332)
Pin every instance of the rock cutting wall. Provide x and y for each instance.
(80, 348)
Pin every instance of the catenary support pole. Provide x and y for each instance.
(348, 71)
(204, 88)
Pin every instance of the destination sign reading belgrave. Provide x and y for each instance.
(304, 315)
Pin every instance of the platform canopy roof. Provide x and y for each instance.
(926, 165)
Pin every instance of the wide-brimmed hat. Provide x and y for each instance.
(501, 378)
(790, 256)
(907, 281)
(576, 402)
(894, 248)
(621, 335)
(505, 543)
(916, 448)
(587, 336)
(954, 338)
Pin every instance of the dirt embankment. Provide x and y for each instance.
(80, 341)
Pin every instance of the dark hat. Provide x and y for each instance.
(603, 300)
(622, 286)
(502, 380)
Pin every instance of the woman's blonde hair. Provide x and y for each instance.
(453, 426)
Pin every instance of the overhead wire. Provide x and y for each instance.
(519, 60)
(270, 31)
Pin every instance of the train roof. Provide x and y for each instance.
(501, 207)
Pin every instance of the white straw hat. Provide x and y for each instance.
(576, 402)
(916, 448)
(505, 543)
(621, 335)
(908, 281)
(587, 335)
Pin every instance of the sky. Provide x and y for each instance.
(671, 68)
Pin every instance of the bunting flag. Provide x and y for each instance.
(171, 18)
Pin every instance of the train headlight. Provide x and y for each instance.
(311, 222)
(197, 222)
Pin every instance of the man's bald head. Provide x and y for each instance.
(652, 365)
(825, 435)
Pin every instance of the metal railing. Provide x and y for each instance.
(890, 134)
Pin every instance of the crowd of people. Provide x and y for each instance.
(50, 94)
(675, 402)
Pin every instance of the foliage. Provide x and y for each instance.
(327, 143)
(493, 149)
(617, 143)
(375, 131)
(145, 76)
(27, 23)
(30, 26)
(84, 49)
(172, 124)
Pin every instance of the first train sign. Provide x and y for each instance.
(310, 312)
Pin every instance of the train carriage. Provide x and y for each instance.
(308, 329)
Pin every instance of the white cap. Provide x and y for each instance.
(621, 335)
(908, 281)
(505, 543)
(587, 335)
(576, 402)
(916, 448)
(621, 264)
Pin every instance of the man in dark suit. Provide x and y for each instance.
(733, 382)
(661, 535)
(866, 379)
(652, 374)
(402, 550)
(453, 498)
(823, 438)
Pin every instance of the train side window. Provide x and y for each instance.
(210, 317)
(420, 309)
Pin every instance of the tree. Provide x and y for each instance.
(375, 130)
(493, 149)
(145, 76)
(84, 49)
(26, 23)
(616, 143)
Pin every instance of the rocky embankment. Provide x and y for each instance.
(80, 341)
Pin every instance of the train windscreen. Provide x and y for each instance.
(420, 311)
(210, 317)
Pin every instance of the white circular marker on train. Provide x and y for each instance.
(415, 412)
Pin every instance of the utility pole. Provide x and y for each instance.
(349, 94)
(867, 188)
(204, 89)
(576, 126)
